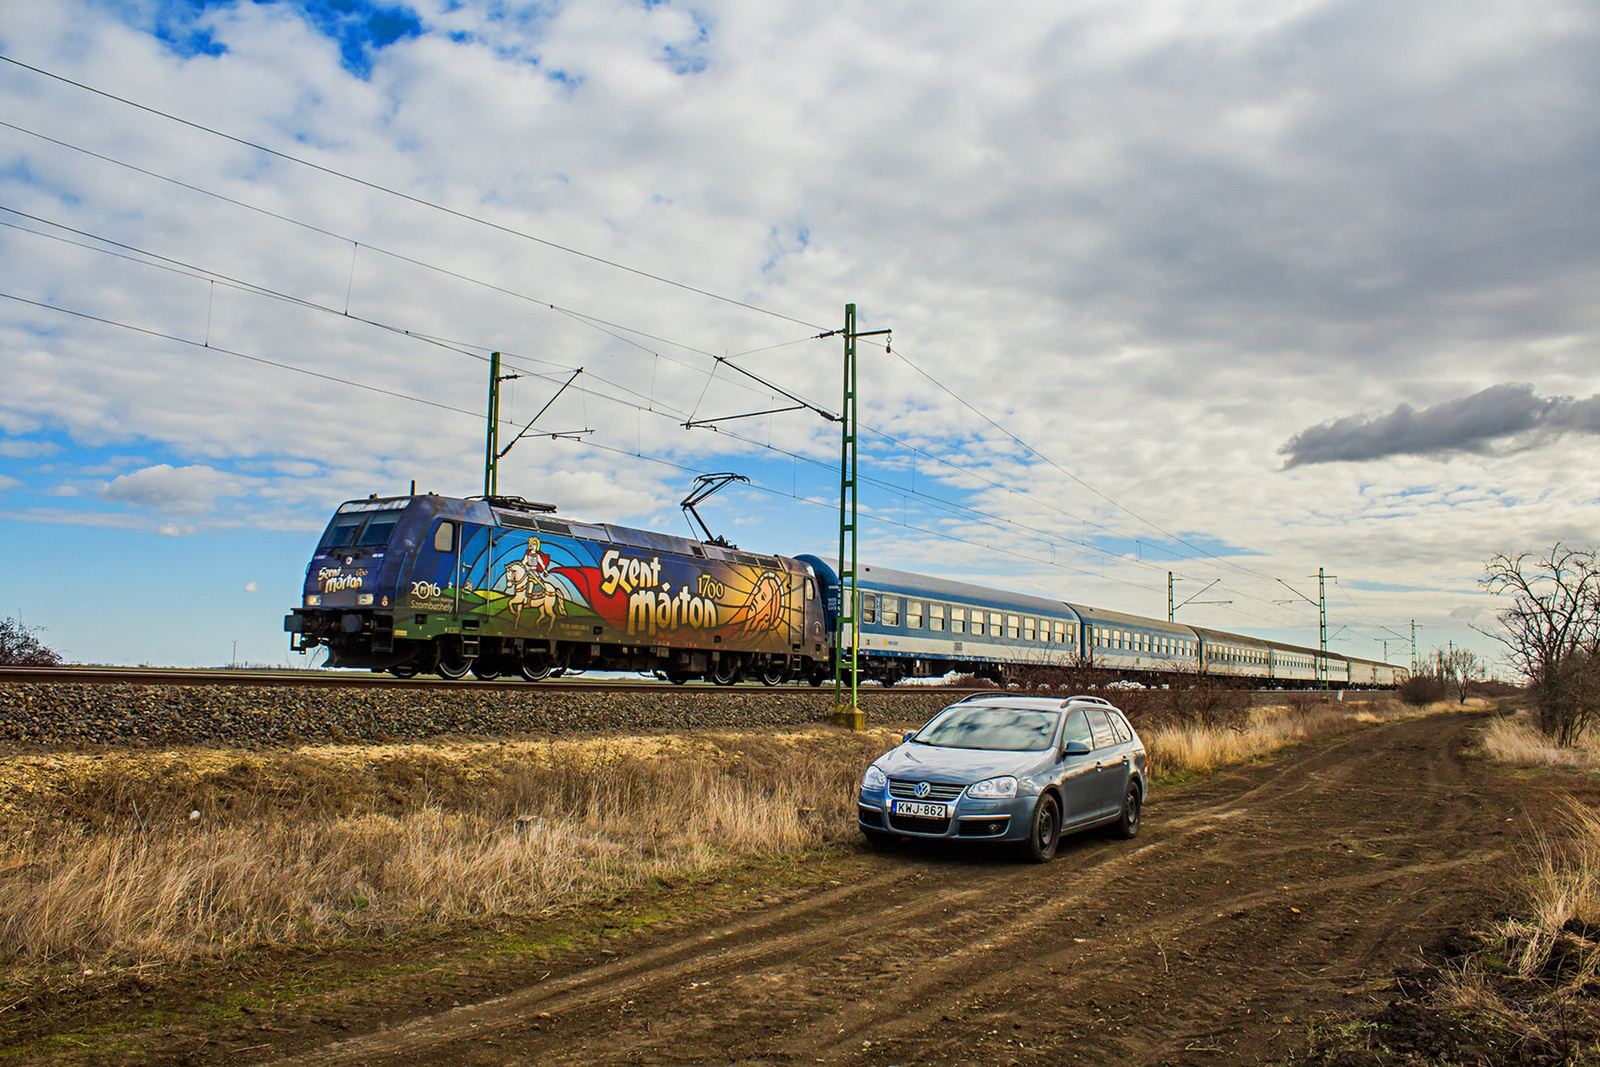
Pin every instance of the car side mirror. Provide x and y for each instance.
(1076, 748)
(909, 735)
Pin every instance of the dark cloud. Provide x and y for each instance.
(1466, 424)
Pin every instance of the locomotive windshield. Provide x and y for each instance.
(367, 527)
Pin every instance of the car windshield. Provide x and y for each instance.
(998, 729)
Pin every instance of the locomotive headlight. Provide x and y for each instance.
(874, 780)
(992, 788)
(364, 600)
(313, 600)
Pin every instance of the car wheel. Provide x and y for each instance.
(1132, 809)
(877, 840)
(1044, 830)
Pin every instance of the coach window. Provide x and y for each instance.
(1013, 627)
(444, 537)
(913, 614)
(1028, 628)
(958, 620)
(996, 626)
(936, 616)
(869, 607)
(977, 623)
(891, 611)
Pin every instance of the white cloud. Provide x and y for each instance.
(1154, 240)
(250, 587)
(184, 490)
(174, 529)
(8, 482)
(17, 449)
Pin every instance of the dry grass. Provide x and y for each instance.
(1179, 750)
(1517, 741)
(103, 863)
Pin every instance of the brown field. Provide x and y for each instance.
(702, 896)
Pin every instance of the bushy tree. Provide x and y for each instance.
(20, 646)
(1551, 632)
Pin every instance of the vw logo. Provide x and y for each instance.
(922, 789)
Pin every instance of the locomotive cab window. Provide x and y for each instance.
(811, 589)
(444, 537)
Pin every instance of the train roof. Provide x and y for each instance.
(515, 513)
(906, 583)
(1122, 618)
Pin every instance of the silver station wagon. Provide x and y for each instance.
(1022, 770)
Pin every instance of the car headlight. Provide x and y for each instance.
(1003, 786)
(873, 780)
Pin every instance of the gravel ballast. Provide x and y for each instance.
(64, 714)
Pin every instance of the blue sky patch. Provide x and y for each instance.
(360, 28)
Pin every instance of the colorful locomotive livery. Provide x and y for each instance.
(499, 585)
(432, 584)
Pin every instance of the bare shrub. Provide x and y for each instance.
(1551, 633)
(20, 646)
(1420, 690)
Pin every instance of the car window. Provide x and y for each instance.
(988, 727)
(1077, 729)
(1119, 726)
(1102, 729)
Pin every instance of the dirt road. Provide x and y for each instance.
(1253, 903)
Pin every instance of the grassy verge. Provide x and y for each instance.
(1516, 740)
(1181, 751)
(125, 859)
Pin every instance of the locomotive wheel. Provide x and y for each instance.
(404, 670)
(485, 672)
(724, 673)
(774, 676)
(816, 680)
(677, 679)
(534, 668)
(453, 663)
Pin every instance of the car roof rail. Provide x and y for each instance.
(1084, 698)
(984, 694)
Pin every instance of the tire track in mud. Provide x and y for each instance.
(1255, 900)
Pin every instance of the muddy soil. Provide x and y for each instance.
(1255, 903)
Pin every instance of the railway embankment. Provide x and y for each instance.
(57, 714)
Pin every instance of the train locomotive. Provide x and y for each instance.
(427, 584)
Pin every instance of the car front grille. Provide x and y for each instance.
(913, 825)
(906, 789)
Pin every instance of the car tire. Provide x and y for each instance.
(1044, 830)
(1128, 819)
(877, 840)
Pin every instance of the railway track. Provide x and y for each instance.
(332, 680)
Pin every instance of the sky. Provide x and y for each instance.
(1235, 290)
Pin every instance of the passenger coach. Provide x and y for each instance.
(914, 626)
